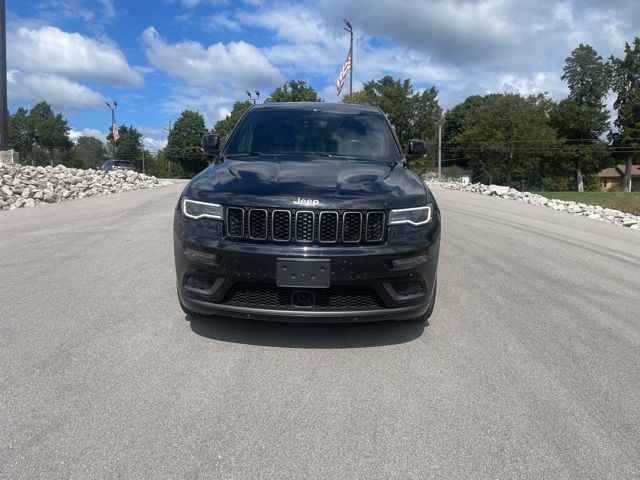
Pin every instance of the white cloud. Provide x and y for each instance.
(60, 92)
(237, 65)
(87, 132)
(153, 144)
(213, 107)
(51, 50)
(223, 20)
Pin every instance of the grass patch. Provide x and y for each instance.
(628, 202)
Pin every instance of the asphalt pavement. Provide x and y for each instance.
(528, 368)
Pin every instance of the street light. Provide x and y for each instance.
(112, 106)
(251, 98)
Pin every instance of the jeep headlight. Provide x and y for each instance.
(411, 216)
(197, 210)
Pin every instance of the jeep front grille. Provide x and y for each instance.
(305, 226)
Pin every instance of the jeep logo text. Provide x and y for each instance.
(307, 202)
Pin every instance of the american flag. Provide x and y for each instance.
(343, 73)
(115, 132)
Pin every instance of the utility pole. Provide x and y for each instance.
(4, 110)
(349, 29)
(114, 129)
(142, 148)
(439, 152)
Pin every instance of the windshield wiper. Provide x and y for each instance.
(325, 154)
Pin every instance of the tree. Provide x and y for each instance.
(626, 83)
(581, 118)
(413, 115)
(90, 151)
(18, 137)
(224, 126)
(128, 146)
(452, 127)
(183, 146)
(506, 136)
(295, 91)
(48, 132)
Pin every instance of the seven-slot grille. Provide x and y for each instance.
(305, 226)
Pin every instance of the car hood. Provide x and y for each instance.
(333, 183)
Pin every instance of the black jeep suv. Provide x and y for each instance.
(308, 213)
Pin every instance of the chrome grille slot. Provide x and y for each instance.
(375, 226)
(351, 227)
(328, 230)
(281, 225)
(258, 224)
(235, 222)
(305, 226)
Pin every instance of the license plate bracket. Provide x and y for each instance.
(303, 272)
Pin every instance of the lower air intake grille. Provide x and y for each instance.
(335, 297)
(407, 289)
(197, 282)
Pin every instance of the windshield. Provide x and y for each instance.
(342, 134)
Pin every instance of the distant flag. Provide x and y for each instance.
(343, 73)
(115, 132)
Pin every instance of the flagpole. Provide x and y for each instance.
(112, 106)
(349, 29)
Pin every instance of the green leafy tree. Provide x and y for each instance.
(626, 83)
(183, 146)
(18, 137)
(128, 146)
(89, 151)
(452, 127)
(358, 97)
(224, 126)
(295, 91)
(582, 117)
(506, 137)
(413, 115)
(48, 132)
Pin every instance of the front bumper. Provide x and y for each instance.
(390, 281)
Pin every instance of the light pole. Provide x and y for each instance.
(4, 110)
(349, 29)
(114, 129)
(251, 98)
(142, 150)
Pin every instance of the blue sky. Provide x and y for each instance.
(158, 58)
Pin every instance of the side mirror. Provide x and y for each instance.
(211, 144)
(417, 148)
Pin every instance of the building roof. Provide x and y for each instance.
(618, 171)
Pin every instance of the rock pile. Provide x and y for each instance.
(25, 186)
(594, 212)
